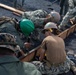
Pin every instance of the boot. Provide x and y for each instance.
(73, 68)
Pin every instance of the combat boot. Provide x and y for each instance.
(73, 68)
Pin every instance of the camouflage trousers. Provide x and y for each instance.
(53, 70)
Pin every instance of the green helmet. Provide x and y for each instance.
(27, 26)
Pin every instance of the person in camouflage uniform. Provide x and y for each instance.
(70, 14)
(41, 17)
(9, 63)
(10, 25)
(7, 25)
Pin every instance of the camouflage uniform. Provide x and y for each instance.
(36, 16)
(54, 70)
(70, 14)
(9, 64)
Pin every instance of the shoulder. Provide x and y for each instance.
(57, 37)
(48, 37)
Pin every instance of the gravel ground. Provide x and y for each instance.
(71, 44)
(33, 4)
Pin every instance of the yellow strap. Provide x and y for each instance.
(51, 30)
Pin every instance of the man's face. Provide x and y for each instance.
(46, 32)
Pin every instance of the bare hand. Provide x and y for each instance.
(27, 45)
(73, 21)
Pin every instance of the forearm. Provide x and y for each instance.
(66, 18)
(38, 21)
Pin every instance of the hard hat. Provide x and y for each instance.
(55, 15)
(8, 41)
(27, 26)
(50, 25)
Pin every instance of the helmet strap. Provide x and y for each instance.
(51, 30)
(54, 31)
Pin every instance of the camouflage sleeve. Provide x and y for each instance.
(66, 18)
(38, 21)
(70, 14)
(37, 13)
(25, 15)
(71, 4)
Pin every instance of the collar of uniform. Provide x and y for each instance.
(8, 59)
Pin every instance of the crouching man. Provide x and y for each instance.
(53, 48)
